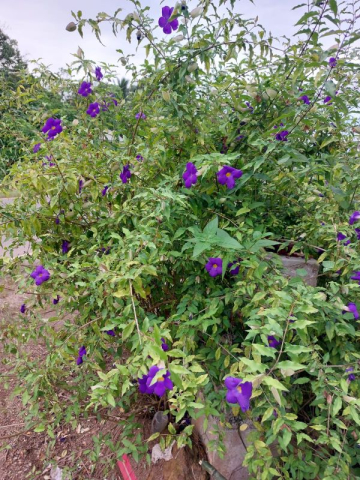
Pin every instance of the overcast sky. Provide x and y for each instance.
(39, 26)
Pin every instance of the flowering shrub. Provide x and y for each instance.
(175, 247)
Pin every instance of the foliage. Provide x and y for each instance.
(137, 256)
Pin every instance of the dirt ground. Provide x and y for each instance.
(27, 455)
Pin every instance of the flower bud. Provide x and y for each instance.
(71, 27)
(75, 122)
(189, 79)
(192, 67)
(138, 35)
(196, 12)
(178, 38)
(166, 95)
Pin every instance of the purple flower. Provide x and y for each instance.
(81, 184)
(356, 276)
(281, 136)
(85, 89)
(159, 387)
(332, 62)
(49, 158)
(340, 237)
(125, 174)
(351, 377)
(23, 308)
(228, 175)
(239, 137)
(93, 110)
(327, 99)
(140, 115)
(305, 99)
(214, 266)
(273, 343)
(111, 333)
(164, 23)
(139, 158)
(190, 175)
(57, 220)
(354, 218)
(249, 107)
(164, 345)
(142, 384)
(104, 190)
(36, 147)
(224, 149)
(275, 413)
(357, 231)
(234, 270)
(98, 74)
(352, 308)
(56, 300)
(238, 392)
(82, 352)
(40, 275)
(52, 127)
(65, 246)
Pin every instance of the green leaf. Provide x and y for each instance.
(179, 369)
(305, 17)
(292, 365)
(121, 292)
(111, 399)
(273, 382)
(150, 269)
(157, 335)
(266, 351)
(301, 324)
(211, 228)
(154, 436)
(333, 6)
(128, 330)
(354, 414)
(199, 248)
(268, 413)
(224, 240)
(39, 428)
(253, 366)
(336, 406)
(286, 437)
(301, 381)
(330, 329)
(176, 353)
(297, 349)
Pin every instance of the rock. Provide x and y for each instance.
(157, 454)
(159, 422)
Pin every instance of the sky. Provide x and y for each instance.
(39, 27)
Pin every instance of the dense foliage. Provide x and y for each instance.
(135, 223)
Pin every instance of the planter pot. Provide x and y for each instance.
(235, 442)
(291, 264)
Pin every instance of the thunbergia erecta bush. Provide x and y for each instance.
(168, 264)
